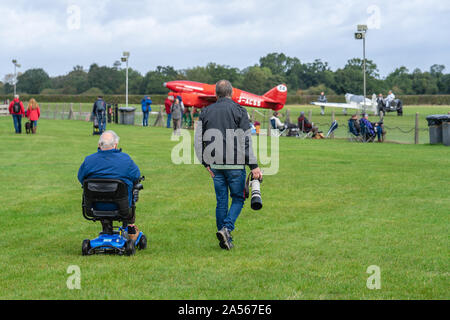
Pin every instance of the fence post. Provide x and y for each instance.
(71, 111)
(80, 114)
(269, 128)
(54, 112)
(160, 118)
(310, 115)
(416, 133)
(62, 112)
(288, 116)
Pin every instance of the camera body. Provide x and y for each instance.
(255, 186)
(138, 187)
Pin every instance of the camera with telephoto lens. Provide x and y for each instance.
(138, 187)
(255, 185)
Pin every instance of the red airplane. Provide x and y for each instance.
(199, 95)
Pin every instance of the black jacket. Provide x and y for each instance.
(227, 121)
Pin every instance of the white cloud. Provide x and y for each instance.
(187, 33)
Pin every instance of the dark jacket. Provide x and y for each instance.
(110, 164)
(95, 109)
(223, 115)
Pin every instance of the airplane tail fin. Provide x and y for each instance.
(278, 96)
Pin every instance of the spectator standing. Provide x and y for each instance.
(322, 98)
(167, 105)
(17, 111)
(33, 114)
(177, 113)
(146, 103)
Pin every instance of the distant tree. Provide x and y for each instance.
(154, 80)
(257, 80)
(33, 81)
(424, 82)
(105, 78)
(400, 80)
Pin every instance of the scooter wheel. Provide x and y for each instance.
(130, 249)
(86, 245)
(142, 242)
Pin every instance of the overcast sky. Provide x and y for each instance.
(57, 35)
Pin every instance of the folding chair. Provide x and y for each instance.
(333, 127)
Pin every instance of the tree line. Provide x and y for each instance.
(302, 78)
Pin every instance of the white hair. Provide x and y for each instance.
(16, 96)
(108, 139)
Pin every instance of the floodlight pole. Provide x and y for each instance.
(126, 86)
(364, 69)
(361, 34)
(126, 56)
(16, 65)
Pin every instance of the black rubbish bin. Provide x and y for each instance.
(126, 115)
(446, 130)
(435, 128)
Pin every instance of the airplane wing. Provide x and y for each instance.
(337, 105)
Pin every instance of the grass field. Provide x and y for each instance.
(334, 209)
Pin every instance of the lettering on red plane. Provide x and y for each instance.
(249, 101)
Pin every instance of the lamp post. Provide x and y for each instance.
(361, 35)
(125, 58)
(16, 65)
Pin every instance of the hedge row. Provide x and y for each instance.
(159, 99)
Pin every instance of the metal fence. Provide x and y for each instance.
(408, 129)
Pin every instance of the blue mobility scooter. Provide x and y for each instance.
(113, 195)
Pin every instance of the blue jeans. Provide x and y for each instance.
(101, 121)
(17, 118)
(169, 118)
(145, 119)
(234, 181)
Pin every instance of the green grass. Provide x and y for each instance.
(334, 209)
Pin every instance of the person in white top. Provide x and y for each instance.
(390, 97)
(278, 124)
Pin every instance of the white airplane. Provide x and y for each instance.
(352, 102)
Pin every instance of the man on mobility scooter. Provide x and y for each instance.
(111, 184)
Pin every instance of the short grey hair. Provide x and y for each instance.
(224, 89)
(108, 139)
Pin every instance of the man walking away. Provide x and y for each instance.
(221, 124)
(99, 111)
(17, 111)
(146, 108)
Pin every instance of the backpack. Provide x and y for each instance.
(100, 106)
(16, 107)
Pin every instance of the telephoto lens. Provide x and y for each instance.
(256, 202)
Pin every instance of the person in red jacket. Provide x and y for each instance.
(17, 111)
(168, 103)
(33, 114)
